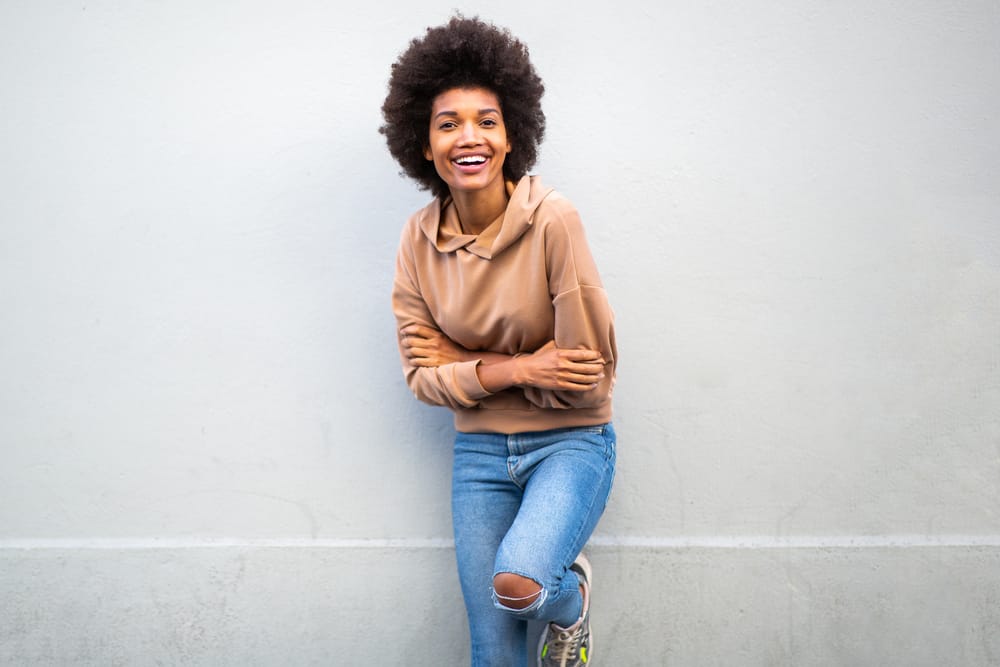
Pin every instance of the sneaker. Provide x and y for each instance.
(570, 647)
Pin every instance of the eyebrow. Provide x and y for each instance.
(482, 112)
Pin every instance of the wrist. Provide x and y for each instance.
(518, 374)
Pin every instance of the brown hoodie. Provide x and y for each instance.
(527, 279)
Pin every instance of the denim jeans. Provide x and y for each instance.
(525, 503)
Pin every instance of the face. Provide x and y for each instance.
(468, 140)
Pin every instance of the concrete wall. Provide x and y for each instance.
(208, 455)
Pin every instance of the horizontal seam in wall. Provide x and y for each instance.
(801, 542)
(601, 542)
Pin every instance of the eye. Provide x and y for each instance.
(447, 125)
(488, 122)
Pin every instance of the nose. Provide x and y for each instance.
(470, 134)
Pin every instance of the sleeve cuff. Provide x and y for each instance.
(467, 381)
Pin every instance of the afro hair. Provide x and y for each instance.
(464, 53)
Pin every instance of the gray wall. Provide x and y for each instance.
(208, 453)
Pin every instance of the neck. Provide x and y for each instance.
(477, 209)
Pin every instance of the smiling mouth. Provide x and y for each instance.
(470, 161)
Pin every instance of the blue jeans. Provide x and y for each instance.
(526, 504)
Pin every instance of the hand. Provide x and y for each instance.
(428, 347)
(554, 368)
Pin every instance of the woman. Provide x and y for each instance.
(503, 319)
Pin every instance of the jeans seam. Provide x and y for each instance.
(590, 509)
(512, 476)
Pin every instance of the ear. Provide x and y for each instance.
(430, 156)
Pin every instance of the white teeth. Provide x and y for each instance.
(471, 159)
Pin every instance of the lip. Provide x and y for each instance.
(471, 168)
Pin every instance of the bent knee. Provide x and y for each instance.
(514, 591)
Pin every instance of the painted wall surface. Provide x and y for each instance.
(208, 454)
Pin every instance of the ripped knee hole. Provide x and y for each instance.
(515, 591)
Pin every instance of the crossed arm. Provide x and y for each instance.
(548, 367)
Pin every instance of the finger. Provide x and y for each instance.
(574, 386)
(585, 368)
(584, 363)
(583, 378)
(415, 344)
(421, 348)
(583, 355)
(408, 334)
(419, 330)
(412, 352)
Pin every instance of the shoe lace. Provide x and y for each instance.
(564, 645)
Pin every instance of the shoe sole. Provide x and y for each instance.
(584, 564)
(588, 573)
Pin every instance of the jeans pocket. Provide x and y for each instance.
(610, 442)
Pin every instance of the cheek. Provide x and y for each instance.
(439, 154)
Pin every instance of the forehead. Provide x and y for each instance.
(455, 99)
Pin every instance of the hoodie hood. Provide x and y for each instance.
(439, 221)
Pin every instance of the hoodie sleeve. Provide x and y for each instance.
(454, 385)
(583, 316)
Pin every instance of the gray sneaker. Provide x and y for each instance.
(570, 647)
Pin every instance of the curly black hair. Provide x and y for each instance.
(464, 53)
